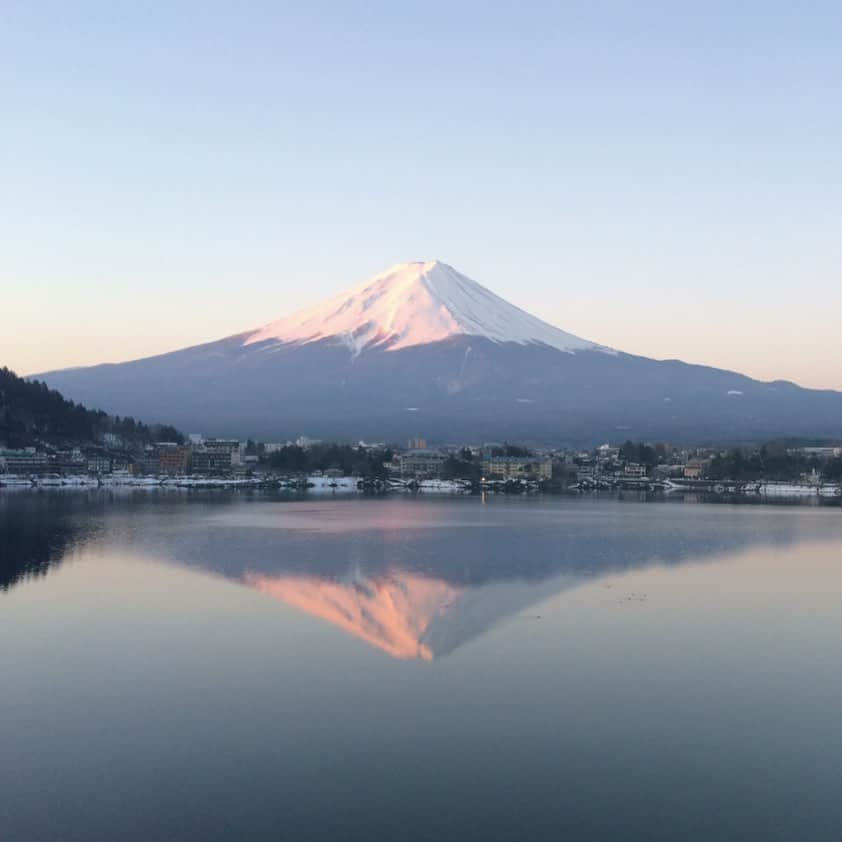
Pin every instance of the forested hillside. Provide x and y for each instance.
(31, 413)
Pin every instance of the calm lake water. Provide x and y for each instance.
(203, 667)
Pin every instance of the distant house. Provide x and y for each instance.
(209, 462)
(149, 462)
(633, 470)
(517, 467)
(695, 468)
(24, 462)
(175, 460)
(812, 478)
(422, 463)
(228, 447)
(99, 465)
(68, 462)
(817, 452)
(607, 453)
(305, 442)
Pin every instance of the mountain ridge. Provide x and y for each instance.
(384, 361)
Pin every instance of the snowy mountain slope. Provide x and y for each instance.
(415, 304)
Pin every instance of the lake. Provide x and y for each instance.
(213, 666)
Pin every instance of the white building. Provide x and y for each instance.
(634, 471)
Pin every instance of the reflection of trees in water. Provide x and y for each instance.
(36, 532)
(40, 529)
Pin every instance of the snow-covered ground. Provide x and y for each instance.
(124, 478)
(444, 486)
(790, 489)
(330, 485)
(14, 481)
(830, 491)
(414, 304)
(69, 481)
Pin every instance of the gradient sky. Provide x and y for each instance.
(663, 178)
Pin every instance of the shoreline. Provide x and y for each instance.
(354, 487)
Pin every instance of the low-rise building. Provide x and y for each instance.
(68, 462)
(827, 452)
(175, 460)
(305, 442)
(230, 447)
(210, 463)
(517, 467)
(24, 462)
(695, 468)
(422, 463)
(149, 463)
(98, 464)
(633, 470)
(812, 478)
(607, 453)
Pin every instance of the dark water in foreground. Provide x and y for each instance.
(200, 668)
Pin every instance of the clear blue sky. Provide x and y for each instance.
(661, 177)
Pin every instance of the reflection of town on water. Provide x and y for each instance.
(414, 578)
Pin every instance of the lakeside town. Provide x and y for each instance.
(782, 468)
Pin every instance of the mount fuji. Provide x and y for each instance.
(423, 349)
(415, 304)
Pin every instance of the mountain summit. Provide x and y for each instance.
(416, 304)
(422, 349)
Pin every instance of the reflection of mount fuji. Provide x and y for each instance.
(395, 614)
(421, 591)
(415, 579)
(405, 614)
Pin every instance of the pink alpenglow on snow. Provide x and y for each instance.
(415, 304)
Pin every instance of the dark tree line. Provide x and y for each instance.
(643, 454)
(510, 450)
(770, 462)
(31, 414)
(356, 461)
(463, 465)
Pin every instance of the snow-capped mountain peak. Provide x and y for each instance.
(416, 304)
